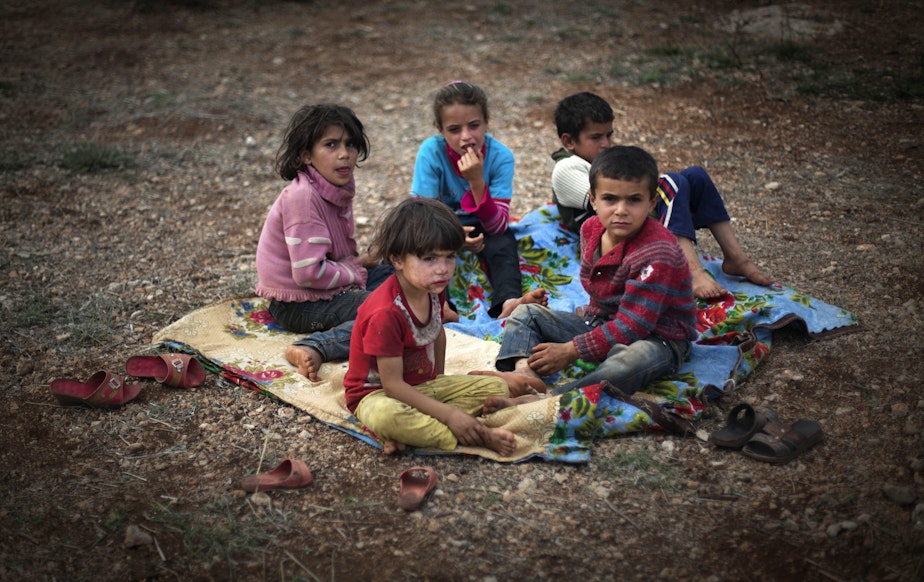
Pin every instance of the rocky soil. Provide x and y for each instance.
(136, 149)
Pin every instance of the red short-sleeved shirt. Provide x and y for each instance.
(386, 327)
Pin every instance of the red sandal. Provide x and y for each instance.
(289, 474)
(414, 488)
(101, 390)
(174, 370)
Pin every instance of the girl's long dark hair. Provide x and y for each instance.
(307, 126)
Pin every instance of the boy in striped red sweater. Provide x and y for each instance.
(641, 316)
(688, 199)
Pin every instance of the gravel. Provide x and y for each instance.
(822, 185)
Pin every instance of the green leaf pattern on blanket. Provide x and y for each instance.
(727, 322)
(676, 386)
(588, 414)
(464, 292)
(802, 299)
(733, 314)
(540, 267)
(246, 345)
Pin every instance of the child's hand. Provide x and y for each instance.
(549, 358)
(367, 261)
(473, 243)
(471, 164)
(467, 430)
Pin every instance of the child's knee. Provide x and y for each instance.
(697, 171)
(524, 312)
(494, 386)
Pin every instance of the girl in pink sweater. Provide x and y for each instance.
(307, 261)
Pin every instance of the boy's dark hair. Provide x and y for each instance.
(625, 163)
(417, 226)
(458, 93)
(307, 126)
(575, 112)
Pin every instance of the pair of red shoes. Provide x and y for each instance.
(106, 390)
(414, 484)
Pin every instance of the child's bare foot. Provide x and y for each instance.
(517, 384)
(521, 366)
(539, 296)
(747, 269)
(392, 447)
(308, 361)
(500, 440)
(494, 403)
(705, 287)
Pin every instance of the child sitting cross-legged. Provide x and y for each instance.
(641, 316)
(395, 383)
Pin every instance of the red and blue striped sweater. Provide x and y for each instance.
(642, 287)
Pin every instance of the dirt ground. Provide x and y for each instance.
(136, 150)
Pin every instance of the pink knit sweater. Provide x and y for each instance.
(307, 251)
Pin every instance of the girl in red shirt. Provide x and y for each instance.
(395, 384)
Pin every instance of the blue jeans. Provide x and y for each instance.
(330, 321)
(628, 367)
(332, 344)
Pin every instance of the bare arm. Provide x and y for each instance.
(439, 351)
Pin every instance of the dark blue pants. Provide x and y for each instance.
(502, 263)
(329, 322)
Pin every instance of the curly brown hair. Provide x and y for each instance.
(416, 226)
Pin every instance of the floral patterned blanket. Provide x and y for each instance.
(238, 340)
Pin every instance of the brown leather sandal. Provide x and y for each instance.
(743, 423)
(780, 444)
